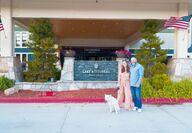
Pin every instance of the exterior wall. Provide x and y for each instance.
(86, 9)
(167, 36)
(190, 7)
(21, 36)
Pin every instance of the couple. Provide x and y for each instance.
(129, 82)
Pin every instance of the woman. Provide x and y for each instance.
(124, 87)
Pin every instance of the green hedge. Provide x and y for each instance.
(160, 86)
(5, 83)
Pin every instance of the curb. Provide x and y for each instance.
(89, 100)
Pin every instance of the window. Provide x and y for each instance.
(24, 64)
(18, 56)
(18, 43)
(24, 39)
(18, 39)
(21, 38)
(24, 58)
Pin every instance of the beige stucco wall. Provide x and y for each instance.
(104, 9)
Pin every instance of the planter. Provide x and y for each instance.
(123, 53)
(70, 53)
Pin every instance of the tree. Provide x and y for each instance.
(43, 65)
(150, 54)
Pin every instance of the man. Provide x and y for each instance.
(137, 74)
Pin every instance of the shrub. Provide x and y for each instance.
(163, 87)
(159, 68)
(150, 54)
(42, 44)
(5, 83)
(147, 89)
(182, 89)
(159, 81)
(57, 74)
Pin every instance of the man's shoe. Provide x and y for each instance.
(139, 110)
(135, 108)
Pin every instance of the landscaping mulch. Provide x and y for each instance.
(83, 93)
(75, 96)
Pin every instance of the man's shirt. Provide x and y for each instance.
(137, 72)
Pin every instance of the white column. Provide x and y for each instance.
(67, 73)
(6, 39)
(181, 35)
(127, 46)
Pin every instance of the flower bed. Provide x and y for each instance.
(123, 53)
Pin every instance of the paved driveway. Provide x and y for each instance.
(93, 118)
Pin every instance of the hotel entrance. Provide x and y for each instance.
(95, 39)
(91, 53)
(92, 39)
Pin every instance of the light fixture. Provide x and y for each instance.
(56, 46)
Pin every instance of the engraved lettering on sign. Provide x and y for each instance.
(95, 70)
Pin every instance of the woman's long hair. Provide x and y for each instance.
(123, 68)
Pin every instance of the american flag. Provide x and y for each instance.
(1, 25)
(178, 22)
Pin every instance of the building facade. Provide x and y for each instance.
(90, 23)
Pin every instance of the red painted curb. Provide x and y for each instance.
(89, 100)
(50, 100)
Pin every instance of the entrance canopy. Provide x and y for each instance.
(99, 29)
(92, 31)
(109, 23)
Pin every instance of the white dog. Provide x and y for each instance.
(113, 103)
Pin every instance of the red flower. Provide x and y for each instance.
(123, 53)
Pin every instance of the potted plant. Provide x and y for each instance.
(123, 53)
(69, 53)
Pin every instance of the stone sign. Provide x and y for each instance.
(95, 70)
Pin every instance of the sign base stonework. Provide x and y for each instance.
(68, 69)
(73, 76)
(180, 69)
(11, 68)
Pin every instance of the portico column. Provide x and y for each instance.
(181, 35)
(7, 38)
(10, 66)
(180, 67)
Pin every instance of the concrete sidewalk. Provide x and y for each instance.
(93, 118)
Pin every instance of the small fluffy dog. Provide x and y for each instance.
(113, 103)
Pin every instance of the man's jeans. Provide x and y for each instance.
(136, 94)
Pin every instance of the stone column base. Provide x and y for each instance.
(180, 68)
(67, 73)
(77, 85)
(11, 68)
